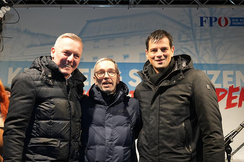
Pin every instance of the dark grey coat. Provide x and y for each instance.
(181, 117)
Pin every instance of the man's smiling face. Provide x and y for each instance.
(159, 53)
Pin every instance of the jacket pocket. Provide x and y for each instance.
(187, 134)
(47, 149)
(44, 142)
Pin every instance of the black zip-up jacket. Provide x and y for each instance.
(44, 118)
(181, 117)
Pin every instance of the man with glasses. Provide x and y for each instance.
(110, 119)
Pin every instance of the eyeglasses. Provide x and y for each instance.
(101, 74)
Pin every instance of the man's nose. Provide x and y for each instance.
(159, 53)
(106, 75)
(70, 57)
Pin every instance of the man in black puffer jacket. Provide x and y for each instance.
(110, 119)
(179, 106)
(44, 118)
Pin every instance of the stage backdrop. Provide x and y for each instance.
(214, 37)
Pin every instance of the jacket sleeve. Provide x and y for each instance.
(22, 101)
(209, 118)
(138, 124)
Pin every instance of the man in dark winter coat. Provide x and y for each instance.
(111, 120)
(179, 106)
(44, 118)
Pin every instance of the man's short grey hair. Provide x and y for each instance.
(107, 59)
(69, 35)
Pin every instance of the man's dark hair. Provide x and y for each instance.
(158, 35)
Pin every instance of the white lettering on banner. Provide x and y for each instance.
(215, 76)
(84, 71)
(12, 73)
(228, 78)
(239, 78)
(133, 76)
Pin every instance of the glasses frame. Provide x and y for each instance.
(108, 73)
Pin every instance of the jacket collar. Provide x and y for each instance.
(182, 62)
(121, 91)
(48, 68)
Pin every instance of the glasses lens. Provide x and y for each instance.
(101, 74)
(111, 73)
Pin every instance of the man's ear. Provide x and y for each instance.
(118, 78)
(146, 53)
(95, 80)
(52, 52)
(173, 50)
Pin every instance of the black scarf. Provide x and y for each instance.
(155, 77)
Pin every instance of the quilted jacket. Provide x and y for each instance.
(44, 118)
(110, 128)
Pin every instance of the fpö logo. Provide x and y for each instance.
(210, 21)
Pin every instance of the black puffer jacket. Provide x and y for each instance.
(44, 119)
(110, 127)
(181, 117)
